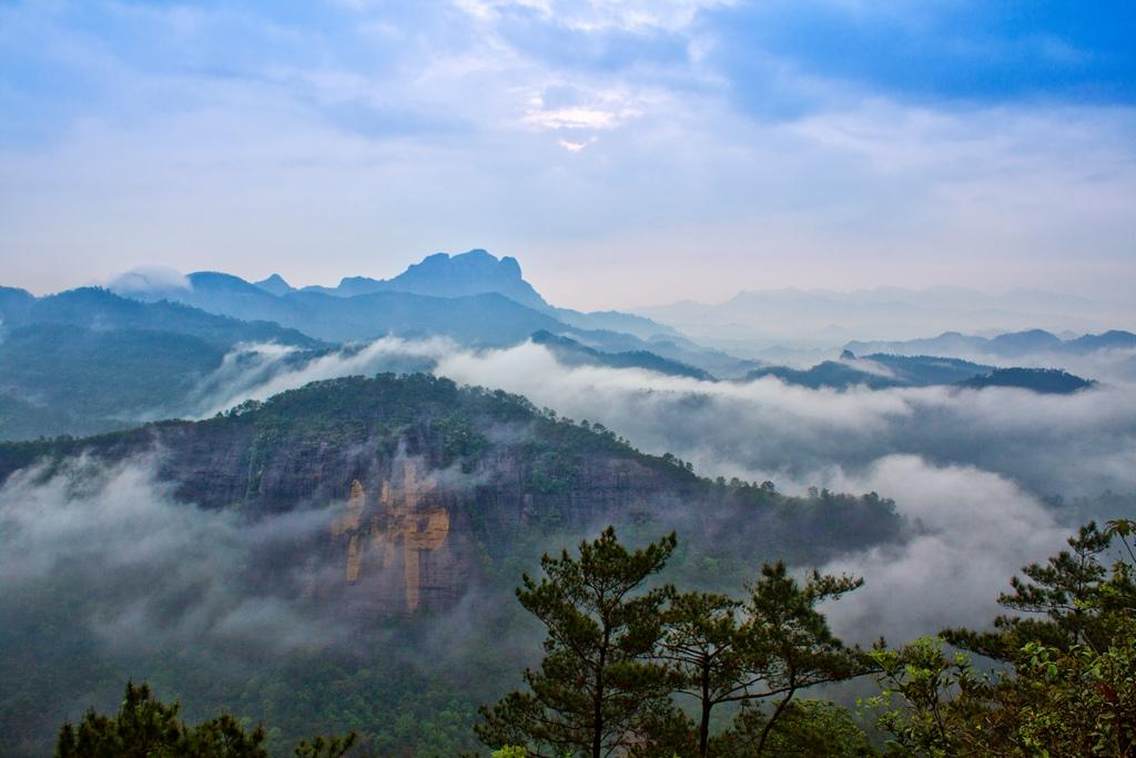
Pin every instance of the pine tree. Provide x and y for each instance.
(771, 646)
(598, 689)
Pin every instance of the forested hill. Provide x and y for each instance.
(487, 463)
(362, 539)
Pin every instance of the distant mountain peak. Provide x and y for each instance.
(473, 261)
(475, 272)
(275, 284)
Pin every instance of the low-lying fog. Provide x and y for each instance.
(973, 471)
(972, 468)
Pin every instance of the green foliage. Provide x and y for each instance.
(145, 727)
(1072, 599)
(326, 747)
(511, 751)
(917, 683)
(770, 647)
(597, 689)
(806, 728)
(1069, 686)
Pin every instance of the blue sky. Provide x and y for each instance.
(627, 153)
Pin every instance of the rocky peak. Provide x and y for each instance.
(275, 284)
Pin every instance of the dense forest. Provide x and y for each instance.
(221, 562)
(245, 607)
(636, 667)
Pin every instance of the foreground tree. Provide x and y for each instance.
(597, 690)
(1075, 598)
(1069, 688)
(145, 727)
(806, 728)
(703, 645)
(789, 644)
(771, 647)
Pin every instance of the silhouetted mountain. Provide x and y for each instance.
(924, 370)
(1022, 343)
(442, 275)
(101, 310)
(1044, 380)
(275, 285)
(88, 360)
(485, 319)
(14, 305)
(879, 371)
(755, 320)
(1010, 345)
(1111, 340)
(439, 276)
(572, 353)
(829, 374)
(616, 321)
(478, 320)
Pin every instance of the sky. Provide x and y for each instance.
(627, 153)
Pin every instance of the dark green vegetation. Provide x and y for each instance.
(619, 647)
(513, 479)
(1049, 381)
(621, 654)
(624, 651)
(87, 360)
(1066, 679)
(880, 371)
(617, 651)
(144, 727)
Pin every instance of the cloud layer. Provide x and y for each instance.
(969, 470)
(156, 573)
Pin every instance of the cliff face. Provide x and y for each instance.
(416, 494)
(422, 489)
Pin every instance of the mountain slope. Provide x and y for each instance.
(14, 304)
(88, 360)
(880, 371)
(482, 319)
(1009, 345)
(275, 285)
(323, 556)
(1046, 381)
(571, 353)
(441, 275)
(492, 460)
(101, 310)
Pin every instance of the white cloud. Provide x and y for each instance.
(976, 530)
(574, 147)
(357, 156)
(600, 15)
